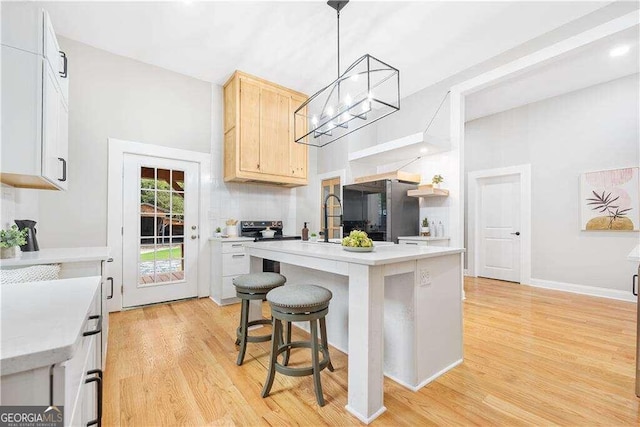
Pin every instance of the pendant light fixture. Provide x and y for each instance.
(364, 93)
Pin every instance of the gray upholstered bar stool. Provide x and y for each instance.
(298, 304)
(249, 287)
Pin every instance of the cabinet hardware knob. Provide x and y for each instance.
(517, 233)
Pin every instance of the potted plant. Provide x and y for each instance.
(313, 237)
(424, 229)
(218, 232)
(436, 180)
(11, 238)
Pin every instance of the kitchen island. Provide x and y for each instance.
(396, 311)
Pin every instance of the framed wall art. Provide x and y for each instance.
(610, 200)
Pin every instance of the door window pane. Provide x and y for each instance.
(161, 258)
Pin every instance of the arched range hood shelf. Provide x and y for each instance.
(406, 148)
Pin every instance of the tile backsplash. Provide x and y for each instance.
(17, 204)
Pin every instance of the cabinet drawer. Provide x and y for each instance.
(412, 242)
(228, 290)
(234, 264)
(232, 247)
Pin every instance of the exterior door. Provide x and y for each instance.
(499, 223)
(160, 233)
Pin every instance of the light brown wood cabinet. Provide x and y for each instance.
(258, 133)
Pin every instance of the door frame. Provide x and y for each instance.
(117, 150)
(473, 231)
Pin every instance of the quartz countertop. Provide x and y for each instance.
(424, 238)
(382, 254)
(231, 239)
(634, 255)
(42, 322)
(57, 255)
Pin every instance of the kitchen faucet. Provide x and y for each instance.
(327, 216)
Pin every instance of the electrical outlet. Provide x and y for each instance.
(425, 277)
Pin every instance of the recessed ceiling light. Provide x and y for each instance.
(619, 50)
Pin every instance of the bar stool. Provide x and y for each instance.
(249, 287)
(297, 304)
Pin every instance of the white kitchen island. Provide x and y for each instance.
(396, 311)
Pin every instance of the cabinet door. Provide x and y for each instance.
(274, 132)
(249, 126)
(51, 166)
(298, 152)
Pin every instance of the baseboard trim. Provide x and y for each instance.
(364, 419)
(584, 290)
(426, 381)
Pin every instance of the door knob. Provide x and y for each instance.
(193, 236)
(193, 227)
(517, 233)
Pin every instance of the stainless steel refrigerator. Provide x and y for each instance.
(381, 208)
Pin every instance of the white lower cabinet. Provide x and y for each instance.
(76, 383)
(228, 260)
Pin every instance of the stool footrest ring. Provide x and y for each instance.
(302, 371)
(255, 338)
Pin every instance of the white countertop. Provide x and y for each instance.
(42, 321)
(382, 254)
(57, 255)
(231, 239)
(423, 238)
(634, 255)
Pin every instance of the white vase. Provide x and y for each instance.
(6, 253)
(436, 185)
(424, 231)
(232, 230)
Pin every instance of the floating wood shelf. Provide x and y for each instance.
(399, 175)
(428, 192)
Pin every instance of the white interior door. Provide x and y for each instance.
(499, 231)
(160, 232)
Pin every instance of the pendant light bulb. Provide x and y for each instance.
(347, 100)
(329, 111)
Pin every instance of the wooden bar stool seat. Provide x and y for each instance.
(254, 286)
(298, 304)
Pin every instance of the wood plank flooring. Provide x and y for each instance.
(532, 357)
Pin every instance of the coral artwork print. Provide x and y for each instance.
(610, 200)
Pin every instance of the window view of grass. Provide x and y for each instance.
(161, 254)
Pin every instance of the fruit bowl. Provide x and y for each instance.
(357, 241)
(356, 249)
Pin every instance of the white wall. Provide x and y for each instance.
(588, 130)
(113, 96)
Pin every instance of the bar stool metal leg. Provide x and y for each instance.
(277, 330)
(244, 320)
(325, 344)
(285, 360)
(315, 362)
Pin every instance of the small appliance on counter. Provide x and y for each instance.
(32, 242)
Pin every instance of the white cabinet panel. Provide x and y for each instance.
(34, 101)
(235, 264)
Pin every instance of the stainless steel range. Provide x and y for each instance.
(254, 228)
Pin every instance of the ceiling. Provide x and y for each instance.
(294, 43)
(577, 69)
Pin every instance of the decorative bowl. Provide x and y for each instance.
(357, 249)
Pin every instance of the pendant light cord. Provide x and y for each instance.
(437, 111)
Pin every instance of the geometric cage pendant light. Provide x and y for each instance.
(367, 91)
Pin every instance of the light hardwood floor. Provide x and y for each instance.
(532, 357)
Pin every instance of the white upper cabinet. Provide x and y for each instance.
(35, 100)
